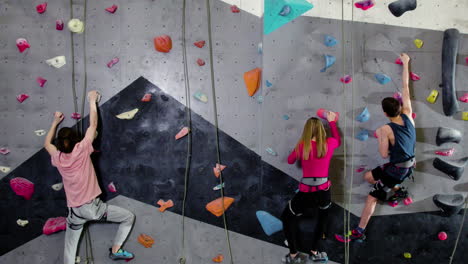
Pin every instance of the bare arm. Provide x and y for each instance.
(406, 109)
(58, 117)
(382, 136)
(93, 117)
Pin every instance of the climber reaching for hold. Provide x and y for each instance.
(71, 156)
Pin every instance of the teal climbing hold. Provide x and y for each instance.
(268, 84)
(285, 117)
(259, 99)
(269, 223)
(280, 12)
(364, 116)
(363, 135)
(329, 61)
(382, 78)
(330, 41)
(260, 48)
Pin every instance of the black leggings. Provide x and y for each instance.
(296, 208)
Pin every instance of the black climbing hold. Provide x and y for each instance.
(398, 8)
(450, 204)
(453, 169)
(449, 61)
(164, 98)
(445, 135)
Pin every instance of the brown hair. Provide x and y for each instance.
(313, 128)
(391, 106)
(67, 139)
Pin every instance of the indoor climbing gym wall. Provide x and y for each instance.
(203, 101)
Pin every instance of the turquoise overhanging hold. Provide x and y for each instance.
(275, 16)
(269, 223)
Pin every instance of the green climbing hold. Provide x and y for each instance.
(280, 12)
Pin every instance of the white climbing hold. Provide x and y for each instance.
(128, 115)
(40, 132)
(201, 97)
(57, 187)
(5, 169)
(57, 62)
(76, 26)
(271, 152)
(4, 151)
(22, 223)
(218, 187)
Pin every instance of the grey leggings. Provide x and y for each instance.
(96, 210)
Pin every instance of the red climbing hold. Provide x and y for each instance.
(22, 187)
(364, 5)
(112, 9)
(199, 44)
(442, 236)
(4, 151)
(413, 115)
(54, 225)
(346, 79)
(112, 62)
(163, 43)
(182, 133)
(361, 168)
(414, 76)
(41, 81)
(217, 170)
(398, 61)
(408, 200)
(218, 206)
(393, 203)
(165, 205)
(22, 97)
(235, 9)
(111, 187)
(41, 8)
(58, 24)
(22, 44)
(146, 97)
(76, 116)
(200, 62)
(464, 98)
(446, 153)
(322, 113)
(252, 80)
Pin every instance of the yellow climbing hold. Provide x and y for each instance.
(465, 116)
(418, 43)
(128, 115)
(5, 169)
(432, 96)
(407, 255)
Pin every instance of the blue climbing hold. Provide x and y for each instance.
(363, 135)
(269, 223)
(329, 61)
(259, 99)
(330, 41)
(364, 116)
(285, 117)
(273, 17)
(268, 84)
(382, 78)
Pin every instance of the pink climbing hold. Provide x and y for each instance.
(41, 81)
(111, 187)
(22, 97)
(76, 116)
(22, 187)
(112, 9)
(199, 44)
(4, 151)
(408, 200)
(112, 62)
(442, 236)
(41, 8)
(322, 113)
(413, 115)
(398, 61)
(414, 76)
(398, 96)
(182, 133)
(464, 98)
(54, 225)
(58, 24)
(446, 153)
(235, 9)
(146, 97)
(346, 79)
(375, 134)
(393, 203)
(466, 60)
(361, 168)
(22, 44)
(200, 62)
(364, 5)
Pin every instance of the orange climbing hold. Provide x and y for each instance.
(146, 240)
(163, 43)
(218, 259)
(165, 205)
(146, 97)
(252, 80)
(217, 170)
(182, 133)
(217, 207)
(199, 44)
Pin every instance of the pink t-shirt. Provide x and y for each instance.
(77, 170)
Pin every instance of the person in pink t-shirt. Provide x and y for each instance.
(71, 156)
(314, 150)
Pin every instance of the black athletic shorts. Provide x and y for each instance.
(303, 201)
(379, 190)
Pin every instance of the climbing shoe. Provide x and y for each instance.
(353, 235)
(319, 257)
(299, 259)
(120, 255)
(400, 194)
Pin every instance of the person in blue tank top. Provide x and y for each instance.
(397, 140)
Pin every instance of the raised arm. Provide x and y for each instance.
(406, 109)
(93, 117)
(331, 118)
(58, 117)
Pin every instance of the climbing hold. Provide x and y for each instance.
(399, 7)
(57, 187)
(182, 133)
(446, 153)
(41, 81)
(218, 206)
(453, 169)
(201, 97)
(364, 5)
(127, 115)
(259, 99)
(393, 203)
(464, 98)
(218, 187)
(235, 9)
(414, 76)
(163, 43)
(22, 223)
(346, 79)
(465, 116)
(22, 44)
(329, 61)
(5, 169)
(260, 48)
(418, 43)
(41, 8)
(146, 97)
(450, 204)
(363, 135)
(146, 240)
(382, 78)
(361, 168)
(408, 200)
(4, 151)
(22, 187)
(54, 225)
(268, 84)
(271, 152)
(22, 97)
(76, 116)
(432, 96)
(413, 115)
(285, 117)
(407, 255)
(112, 62)
(375, 134)
(252, 80)
(59, 24)
(286, 10)
(199, 44)
(442, 236)
(164, 98)
(218, 259)
(272, 18)
(200, 62)
(445, 135)
(111, 187)
(398, 96)
(364, 116)
(217, 170)
(56, 62)
(330, 41)
(449, 64)
(165, 205)
(269, 223)
(40, 132)
(76, 26)
(322, 113)
(112, 9)
(398, 61)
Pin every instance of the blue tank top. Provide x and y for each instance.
(405, 141)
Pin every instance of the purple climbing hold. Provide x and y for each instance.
(41, 81)
(112, 62)
(364, 116)
(398, 96)
(76, 116)
(329, 61)
(346, 79)
(399, 7)
(382, 78)
(58, 24)
(363, 135)
(364, 5)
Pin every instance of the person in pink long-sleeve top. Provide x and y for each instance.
(314, 150)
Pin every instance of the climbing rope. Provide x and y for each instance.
(85, 72)
(459, 231)
(75, 103)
